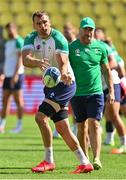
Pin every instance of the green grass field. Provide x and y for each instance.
(20, 152)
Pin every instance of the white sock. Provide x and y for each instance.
(49, 154)
(81, 156)
(19, 123)
(2, 123)
(109, 137)
(123, 140)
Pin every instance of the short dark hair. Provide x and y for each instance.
(8, 25)
(100, 29)
(39, 14)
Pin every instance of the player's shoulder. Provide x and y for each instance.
(58, 36)
(31, 35)
(100, 44)
(19, 41)
(19, 38)
(74, 43)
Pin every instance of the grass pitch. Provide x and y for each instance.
(20, 152)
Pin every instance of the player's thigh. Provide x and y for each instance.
(95, 106)
(18, 97)
(112, 110)
(79, 108)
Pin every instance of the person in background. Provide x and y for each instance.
(70, 33)
(87, 58)
(43, 48)
(122, 75)
(2, 51)
(2, 55)
(111, 113)
(13, 72)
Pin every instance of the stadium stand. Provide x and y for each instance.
(120, 22)
(101, 8)
(22, 19)
(84, 9)
(109, 14)
(4, 7)
(68, 8)
(52, 7)
(73, 18)
(112, 32)
(34, 6)
(21, 7)
(117, 9)
(57, 20)
(123, 35)
(5, 18)
(105, 21)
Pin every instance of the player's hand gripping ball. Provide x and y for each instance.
(51, 77)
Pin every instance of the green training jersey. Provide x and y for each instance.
(56, 43)
(86, 61)
(117, 56)
(107, 47)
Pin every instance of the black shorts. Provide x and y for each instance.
(17, 86)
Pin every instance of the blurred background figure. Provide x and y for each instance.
(2, 48)
(70, 32)
(2, 55)
(122, 75)
(13, 72)
(111, 113)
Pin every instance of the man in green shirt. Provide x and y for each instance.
(87, 57)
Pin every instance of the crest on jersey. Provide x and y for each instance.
(87, 50)
(49, 48)
(77, 52)
(97, 51)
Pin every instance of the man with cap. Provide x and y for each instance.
(88, 57)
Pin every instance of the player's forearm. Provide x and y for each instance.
(62, 60)
(31, 62)
(63, 68)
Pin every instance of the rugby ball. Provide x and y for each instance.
(51, 77)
